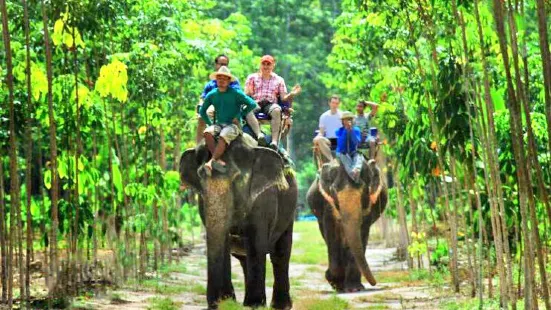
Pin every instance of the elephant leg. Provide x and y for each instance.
(243, 262)
(281, 299)
(255, 287)
(219, 286)
(227, 289)
(353, 276)
(335, 273)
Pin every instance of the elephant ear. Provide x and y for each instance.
(190, 161)
(267, 172)
(373, 177)
(328, 175)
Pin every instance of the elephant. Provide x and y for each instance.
(248, 212)
(345, 211)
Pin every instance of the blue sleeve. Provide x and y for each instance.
(357, 136)
(339, 133)
(203, 111)
(235, 85)
(208, 88)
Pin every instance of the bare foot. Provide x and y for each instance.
(208, 167)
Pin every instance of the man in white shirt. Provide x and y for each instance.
(329, 123)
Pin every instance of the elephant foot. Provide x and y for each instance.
(281, 301)
(336, 283)
(254, 302)
(254, 305)
(214, 305)
(353, 288)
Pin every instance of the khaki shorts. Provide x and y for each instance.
(227, 132)
(269, 108)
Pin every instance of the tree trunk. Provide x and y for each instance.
(546, 64)
(434, 129)
(3, 240)
(522, 173)
(404, 235)
(29, 150)
(532, 154)
(14, 176)
(492, 159)
(78, 145)
(53, 158)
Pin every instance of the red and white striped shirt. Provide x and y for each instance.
(266, 89)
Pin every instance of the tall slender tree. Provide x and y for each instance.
(29, 152)
(54, 263)
(520, 158)
(14, 176)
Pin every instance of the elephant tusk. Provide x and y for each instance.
(331, 202)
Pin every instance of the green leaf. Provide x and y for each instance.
(48, 179)
(117, 181)
(498, 99)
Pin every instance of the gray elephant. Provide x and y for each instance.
(248, 211)
(345, 211)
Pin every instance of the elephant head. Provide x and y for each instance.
(251, 171)
(351, 203)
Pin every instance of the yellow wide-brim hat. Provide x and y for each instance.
(347, 115)
(222, 71)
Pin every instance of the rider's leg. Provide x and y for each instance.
(209, 135)
(372, 146)
(255, 126)
(275, 114)
(200, 129)
(227, 135)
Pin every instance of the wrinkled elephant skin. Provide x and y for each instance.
(248, 212)
(345, 213)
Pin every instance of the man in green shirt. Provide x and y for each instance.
(227, 103)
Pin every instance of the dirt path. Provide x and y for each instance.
(183, 287)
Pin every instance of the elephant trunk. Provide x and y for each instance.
(218, 214)
(351, 213)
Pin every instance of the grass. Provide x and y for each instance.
(117, 299)
(309, 247)
(378, 298)
(198, 289)
(158, 303)
(164, 288)
(376, 307)
(167, 269)
(230, 304)
(333, 303)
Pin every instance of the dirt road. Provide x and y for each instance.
(182, 286)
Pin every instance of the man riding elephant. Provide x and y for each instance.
(346, 207)
(247, 202)
(227, 102)
(329, 122)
